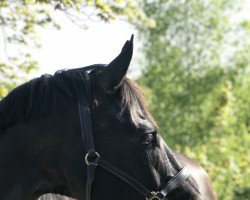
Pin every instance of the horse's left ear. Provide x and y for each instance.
(113, 74)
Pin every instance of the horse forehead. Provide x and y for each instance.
(146, 125)
(140, 120)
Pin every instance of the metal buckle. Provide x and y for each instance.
(156, 196)
(92, 158)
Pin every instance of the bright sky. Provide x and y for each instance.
(72, 46)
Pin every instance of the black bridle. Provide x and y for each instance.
(93, 158)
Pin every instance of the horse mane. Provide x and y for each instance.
(50, 93)
(39, 97)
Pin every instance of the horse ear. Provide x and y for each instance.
(113, 74)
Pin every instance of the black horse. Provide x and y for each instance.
(42, 151)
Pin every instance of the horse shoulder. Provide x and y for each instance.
(200, 175)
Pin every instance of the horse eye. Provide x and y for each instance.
(148, 139)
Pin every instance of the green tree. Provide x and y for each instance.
(197, 78)
(18, 23)
(20, 19)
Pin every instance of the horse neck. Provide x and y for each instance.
(24, 153)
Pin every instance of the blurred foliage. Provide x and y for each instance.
(18, 23)
(197, 75)
(101, 9)
(20, 20)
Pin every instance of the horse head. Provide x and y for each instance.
(42, 148)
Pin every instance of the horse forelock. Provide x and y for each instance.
(134, 101)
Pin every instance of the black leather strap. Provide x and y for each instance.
(175, 181)
(87, 132)
(169, 187)
(125, 177)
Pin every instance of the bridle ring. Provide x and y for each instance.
(92, 158)
(156, 196)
